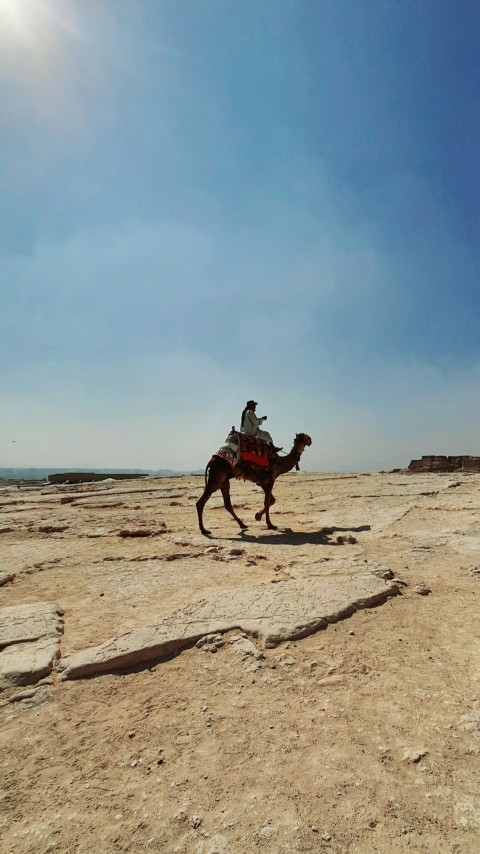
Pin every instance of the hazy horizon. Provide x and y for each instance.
(207, 202)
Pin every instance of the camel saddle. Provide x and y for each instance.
(240, 448)
(253, 450)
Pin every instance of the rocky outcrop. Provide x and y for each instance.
(274, 615)
(471, 464)
(29, 642)
(445, 464)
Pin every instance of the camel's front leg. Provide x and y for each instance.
(260, 513)
(268, 495)
(225, 487)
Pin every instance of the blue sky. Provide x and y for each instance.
(206, 201)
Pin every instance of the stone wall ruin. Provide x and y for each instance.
(445, 464)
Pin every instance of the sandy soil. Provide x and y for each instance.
(364, 737)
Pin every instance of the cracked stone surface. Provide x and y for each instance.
(29, 642)
(273, 614)
(260, 744)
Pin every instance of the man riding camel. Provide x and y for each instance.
(250, 424)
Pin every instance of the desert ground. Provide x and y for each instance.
(299, 723)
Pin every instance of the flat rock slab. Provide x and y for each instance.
(29, 642)
(274, 614)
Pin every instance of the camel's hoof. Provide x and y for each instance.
(243, 526)
(206, 533)
(272, 527)
(258, 516)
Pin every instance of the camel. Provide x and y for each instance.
(219, 472)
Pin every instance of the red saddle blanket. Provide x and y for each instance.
(253, 450)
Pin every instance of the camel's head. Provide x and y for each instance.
(301, 441)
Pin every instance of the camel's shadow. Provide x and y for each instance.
(288, 537)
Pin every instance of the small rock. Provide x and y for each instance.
(216, 640)
(132, 733)
(326, 837)
(351, 632)
(244, 648)
(23, 695)
(422, 589)
(181, 815)
(314, 828)
(196, 821)
(383, 572)
(414, 756)
(267, 831)
(334, 679)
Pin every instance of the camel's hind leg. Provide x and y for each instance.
(225, 487)
(208, 492)
(216, 475)
(260, 513)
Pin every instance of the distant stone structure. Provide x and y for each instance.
(445, 464)
(87, 476)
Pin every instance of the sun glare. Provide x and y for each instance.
(16, 15)
(23, 29)
(29, 45)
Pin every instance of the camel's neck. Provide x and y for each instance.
(287, 463)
